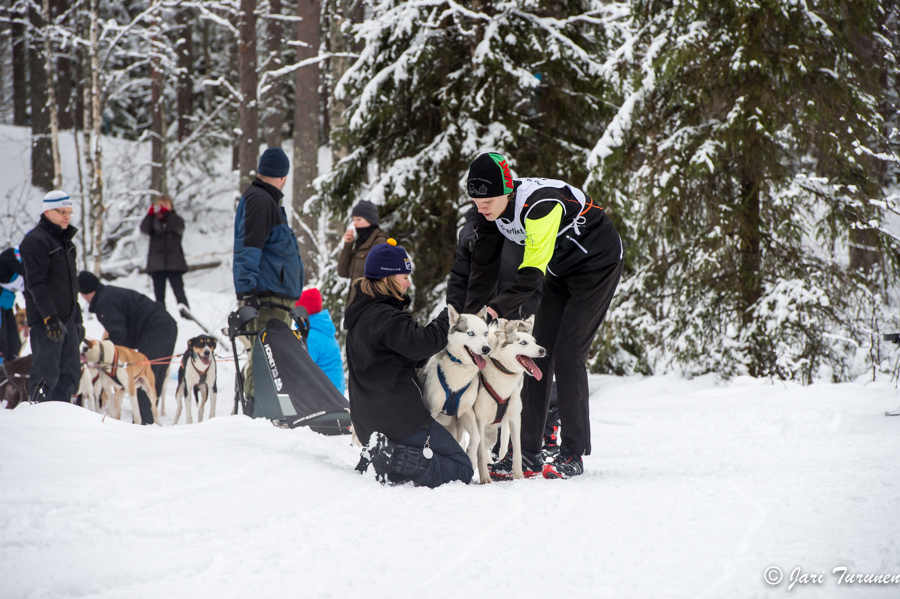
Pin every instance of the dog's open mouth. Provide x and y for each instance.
(205, 360)
(480, 362)
(529, 366)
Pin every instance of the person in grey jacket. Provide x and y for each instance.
(358, 242)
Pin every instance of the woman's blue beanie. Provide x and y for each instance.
(386, 259)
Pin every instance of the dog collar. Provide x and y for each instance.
(502, 404)
(454, 358)
(501, 367)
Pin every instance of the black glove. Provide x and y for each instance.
(55, 328)
(79, 328)
(251, 300)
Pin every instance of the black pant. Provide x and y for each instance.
(571, 310)
(159, 286)
(449, 462)
(10, 343)
(55, 365)
(160, 344)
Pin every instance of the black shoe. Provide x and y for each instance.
(532, 466)
(565, 465)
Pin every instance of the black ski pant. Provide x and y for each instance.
(570, 313)
(175, 280)
(449, 462)
(10, 343)
(159, 344)
(55, 365)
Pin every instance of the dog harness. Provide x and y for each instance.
(502, 404)
(451, 403)
(114, 364)
(202, 380)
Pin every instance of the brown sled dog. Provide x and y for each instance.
(122, 371)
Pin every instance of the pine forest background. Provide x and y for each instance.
(747, 151)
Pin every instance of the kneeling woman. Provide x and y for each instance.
(384, 345)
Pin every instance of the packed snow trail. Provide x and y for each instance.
(693, 490)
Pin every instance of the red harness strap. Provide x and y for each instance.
(502, 404)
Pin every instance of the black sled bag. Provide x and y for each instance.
(290, 388)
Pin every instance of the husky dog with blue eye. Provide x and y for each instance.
(450, 378)
(499, 402)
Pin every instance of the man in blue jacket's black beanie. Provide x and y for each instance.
(267, 265)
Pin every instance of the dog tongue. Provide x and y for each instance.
(528, 363)
(479, 361)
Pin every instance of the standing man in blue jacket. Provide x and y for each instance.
(267, 266)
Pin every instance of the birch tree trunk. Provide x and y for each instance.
(185, 51)
(248, 148)
(306, 129)
(50, 69)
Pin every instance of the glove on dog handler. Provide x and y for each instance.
(290, 389)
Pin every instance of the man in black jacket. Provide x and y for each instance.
(51, 301)
(267, 267)
(133, 320)
(457, 287)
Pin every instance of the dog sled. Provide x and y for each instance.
(289, 388)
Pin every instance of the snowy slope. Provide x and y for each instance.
(693, 490)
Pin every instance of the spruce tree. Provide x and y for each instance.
(439, 82)
(744, 155)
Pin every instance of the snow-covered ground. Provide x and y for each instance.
(694, 489)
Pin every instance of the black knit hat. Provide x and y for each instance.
(87, 282)
(489, 176)
(366, 210)
(386, 259)
(273, 163)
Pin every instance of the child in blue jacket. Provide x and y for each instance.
(321, 343)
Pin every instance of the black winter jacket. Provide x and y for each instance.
(165, 252)
(510, 260)
(130, 317)
(597, 246)
(51, 275)
(384, 346)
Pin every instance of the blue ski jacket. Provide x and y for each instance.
(324, 349)
(266, 254)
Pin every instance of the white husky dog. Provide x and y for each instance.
(499, 401)
(450, 378)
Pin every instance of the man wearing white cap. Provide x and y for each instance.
(51, 301)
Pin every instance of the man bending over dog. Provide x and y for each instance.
(267, 265)
(135, 321)
(51, 301)
(574, 251)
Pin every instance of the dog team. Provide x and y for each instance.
(538, 260)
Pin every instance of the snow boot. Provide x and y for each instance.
(532, 466)
(565, 465)
(378, 452)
